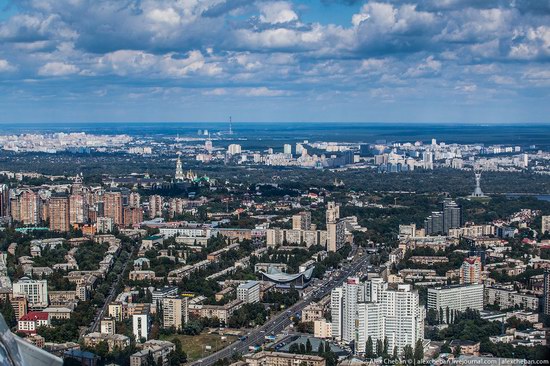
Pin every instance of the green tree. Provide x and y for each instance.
(9, 314)
(418, 352)
(408, 353)
(379, 348)
(369, 348)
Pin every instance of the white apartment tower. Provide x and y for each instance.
(336, 311)
(360, 311)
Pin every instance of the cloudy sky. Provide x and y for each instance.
(483, 61)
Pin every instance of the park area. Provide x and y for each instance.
(204, 344)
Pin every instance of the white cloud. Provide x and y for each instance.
(129, 62)
(5, 66)
(168, 16)
(277, 12)
(262, 92)
(428, 67)
(215, 92)
(58, 69)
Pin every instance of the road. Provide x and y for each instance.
(278, 323)
(94, 327)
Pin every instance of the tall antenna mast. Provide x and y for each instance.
(230, 125)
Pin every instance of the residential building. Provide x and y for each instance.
(115, 311)
(336, 310)
(546, 292)
(175, 311)
(506, 298)
(336, 235)
(25, 207)
(114, 341)
(301, 221)
(322, 329)
(155, 349)
(249, 292)
(470, 271)
(545, 227)
(19, 305)
(156, 204)
(30, 322)
(141, 324)
(455, 297)
(108, 326)
(35, 291)
(394, 315)
(112, 207)
(78, 209)
(58, 214)
(265, 358)
(4, 200)
(104, 224)
(312, 312)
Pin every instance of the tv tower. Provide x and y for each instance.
(230, 125)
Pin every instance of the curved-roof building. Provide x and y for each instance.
(286, 280)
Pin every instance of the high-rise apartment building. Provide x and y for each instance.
(396, 317)
(349, 316)
(439, 222)
(470, 271)
(452, 215)
(335, 228)
(156, 203)
(546, 293)
(372, 309)
(25, 207)
(299, 149)
(545, 227)
(287, 149)
(58, 213)
(132, 216)
(337, 311)
(112, 207)
(134, 199)
(234, 149)
(78, 209)
(301, 221)
(4, 200)
(175, 312)
(140, 324)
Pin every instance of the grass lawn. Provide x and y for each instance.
(194, 346)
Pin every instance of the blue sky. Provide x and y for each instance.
(263, 60)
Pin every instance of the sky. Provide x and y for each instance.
(448, 61)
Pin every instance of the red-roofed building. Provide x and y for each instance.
(30, 322)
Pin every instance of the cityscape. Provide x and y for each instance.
(274, 183)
